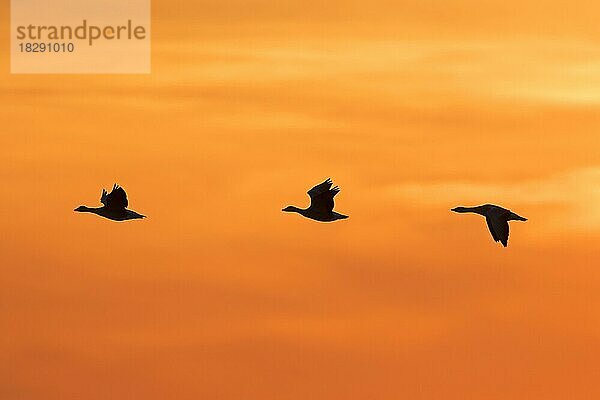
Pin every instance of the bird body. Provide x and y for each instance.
(115, 206)
(497, 219)
(321, 204)
(115, 215)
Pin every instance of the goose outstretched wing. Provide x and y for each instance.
(498, 226)
(321, 196)
(116, 199)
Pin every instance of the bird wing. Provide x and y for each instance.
(321, 196)
(103, 197)
(498, 227)
(116, 199)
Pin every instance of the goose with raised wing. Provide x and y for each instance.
(321, 203)
(114, 206)
(496, 217)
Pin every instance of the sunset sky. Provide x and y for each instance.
(411, 107)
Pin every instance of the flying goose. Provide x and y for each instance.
(497, 219)
(115, 206)
(321, 203)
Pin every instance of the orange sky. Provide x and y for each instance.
(412, 108)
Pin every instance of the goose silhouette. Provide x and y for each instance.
(496, 217)
(321, 203)
(115, 206)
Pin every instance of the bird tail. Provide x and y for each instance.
(516, 217)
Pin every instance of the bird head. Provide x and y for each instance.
(291, 209)
(82, 209)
